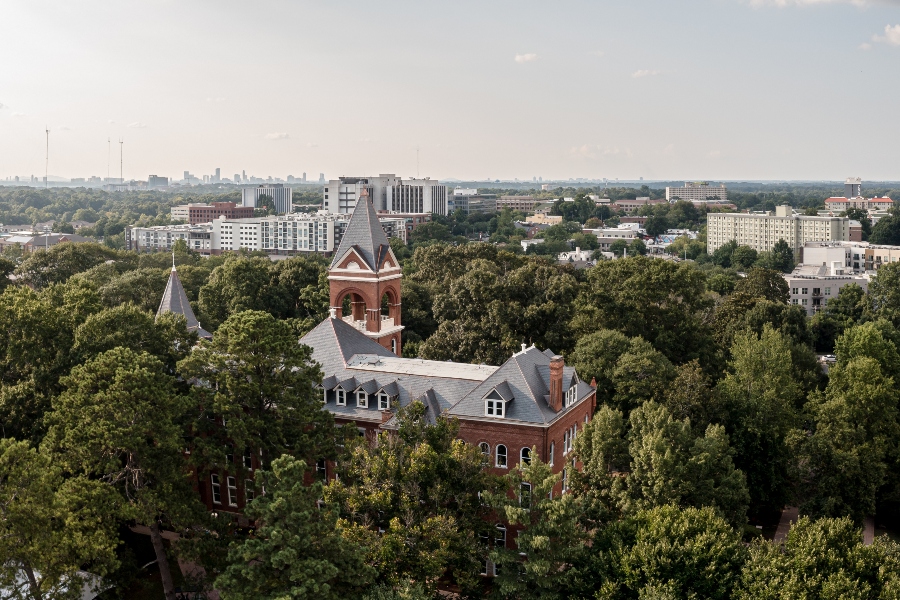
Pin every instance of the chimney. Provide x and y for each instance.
(556, 377)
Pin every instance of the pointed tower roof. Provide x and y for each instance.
(364, 234)
(175, 300)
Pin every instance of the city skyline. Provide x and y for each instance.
(716, 89)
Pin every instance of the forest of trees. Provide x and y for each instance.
(713, 414)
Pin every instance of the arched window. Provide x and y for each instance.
(362, 399)
(501, 456)
(485, 453)
(525, 456)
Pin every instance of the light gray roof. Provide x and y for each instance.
(365, 234)
(175, 300)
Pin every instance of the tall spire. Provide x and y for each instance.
(364, 233)
(175, 300)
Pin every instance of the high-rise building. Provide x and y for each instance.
(304, 177)
(697, 192)
(237, 178)
(244, 176)
(387, 193)
(321, 177)
(853, 187)
(281, 195)
(154, 181)
(761, 231)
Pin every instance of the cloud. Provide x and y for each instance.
(137, 125)
(865, 46)
(714, 154)
(891, 36)
(524, 58)
(645, 73)
(277, 136)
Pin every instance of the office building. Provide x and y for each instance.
(520, 203)
(853, 187)
(761, 231)
(156, 182)
(281, 195)
(470, 201)
(699, 191)
(628, 206)
(387, 192)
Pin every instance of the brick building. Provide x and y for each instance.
(195, 214)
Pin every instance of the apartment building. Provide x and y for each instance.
(811, 286)
(163, 238)
(198, 213)
(839, 204)
(761, 231)
(281, 195)
(629, 206)
(699, 191)
(521, 203)
(856, 256)
(387, 192)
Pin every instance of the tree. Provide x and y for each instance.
(656, 226)
(602, 450)
(722, 254)
(412, 499)
(884, 292)
(663, 302)
(60, 262)
(142, 287)
(265, 204)
(640, 374)
(430, 232)
(781, 257)
(764, 283)
(550, 540)
(117, 421)
(691, 396)
(822, 558)
(886, 231)
(242, 284)
(844, 462)
(671, 552)
(871, 340)
(260, 382)
(743, 257)
(50, 527)
(595, 357)
(760, 398)
(297, 550)
(7, 267)
(840, 312)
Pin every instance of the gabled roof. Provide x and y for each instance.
(175, 300)
(335, 342)
(364, 234)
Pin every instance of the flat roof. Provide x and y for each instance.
(419, 367)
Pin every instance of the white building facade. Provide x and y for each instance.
(698, 192)
(811, 286)
(282, 196)
(388, 193)
(163, 238)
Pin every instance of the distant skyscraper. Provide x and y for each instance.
(280, 194)
(853, 187)
(187, 175)
(237, 178)
(244, 176)
(321, 177)
(304, 177)
(218, 174)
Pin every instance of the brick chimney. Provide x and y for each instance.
(556, 380)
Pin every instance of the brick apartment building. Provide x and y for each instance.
(195, 214)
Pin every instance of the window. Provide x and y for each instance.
(525, 495)
(552, 452)
(249, 492)
(362, 399)
(321, 469)
(216, 489)
(324, 395)
(571, 395)
(566, 442)
(232, 491)
(229, 454)
(501, 456)
(384, 401)
(340, 397)
(486, 452)
(525, 456)
(565, 480)
(248, 459)
(499, 542)
(494, 408)
(486, 563)
(794, 291)
(394, 346)
(803, 302)
(828, 291)
(804, 290)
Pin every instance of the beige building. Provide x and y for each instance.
(699, 191)
(858, 257)
(761, 231)
(811, 286)
(522, 203)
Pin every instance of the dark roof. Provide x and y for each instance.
(174, 300)
(334, 342)
(364, 234)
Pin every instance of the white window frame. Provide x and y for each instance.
(552, 452)
(249, 491)
(499, 542)
(362, 399)
(497, 457)
(384, 401)
(494, 408)
(324, 396)
(522, 493)
(572, 395)
(216, 488)
(485, 449)
(340, 397)
(231, 483)
(565, 442)
(322, 468)
(525, 455)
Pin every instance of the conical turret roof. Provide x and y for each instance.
(364, 234)
(175, 300)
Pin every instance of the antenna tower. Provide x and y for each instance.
(47, 160)
(108, 156)
(121, 177)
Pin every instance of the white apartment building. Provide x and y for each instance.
(699, 191)
(283, 196)
(811, 286)
(388, 193)
(163, 237)
(857, 257)
(761, 231)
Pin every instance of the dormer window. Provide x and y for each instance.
(362, 399)
(572, 395)
(494, 408)
(340, 397)
(384, 401)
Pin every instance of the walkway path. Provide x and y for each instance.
(789, 516)
(869, 531)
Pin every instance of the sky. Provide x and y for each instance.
(467, 89)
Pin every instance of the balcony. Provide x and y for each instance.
(361, 325)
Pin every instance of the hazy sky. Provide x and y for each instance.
(713, 89)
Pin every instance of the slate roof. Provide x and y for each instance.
(351, 360)
(364, 234)
(175, 300)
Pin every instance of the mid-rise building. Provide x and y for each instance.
(853, 187)
(699, 191)
(162, 238)
(470, 201)
(198, 213)
(387, 192)
(856, 256)
(838, 204)
(811, 285)
(524, 204)
(154, 181)
(628, 206)
(280, 194)
(761, 231)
